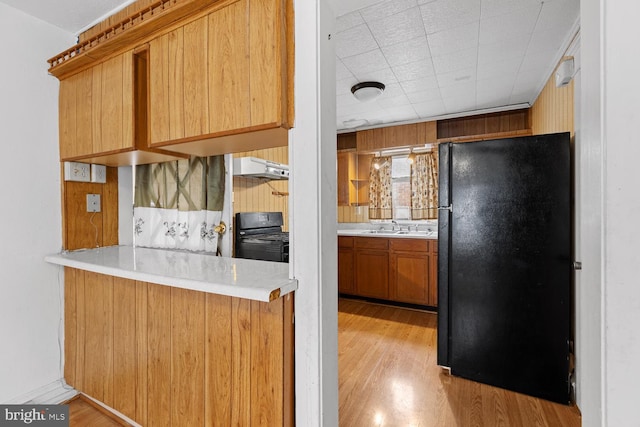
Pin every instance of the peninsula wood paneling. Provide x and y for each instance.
(82, 229)
(257, 195)
(167, 356)
(553, 111)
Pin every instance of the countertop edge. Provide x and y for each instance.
(259, 294)
(366, 233)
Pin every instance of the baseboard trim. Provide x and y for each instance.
(115, 414)
(50, 394)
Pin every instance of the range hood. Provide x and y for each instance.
(253, 167)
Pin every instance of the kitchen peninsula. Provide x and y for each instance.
(168, 335)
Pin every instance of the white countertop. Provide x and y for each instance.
(242, 278)
(390, 234)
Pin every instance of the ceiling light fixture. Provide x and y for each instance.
(367, 91)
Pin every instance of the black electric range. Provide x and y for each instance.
(259, 235)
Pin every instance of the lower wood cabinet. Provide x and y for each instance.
(346, 264)
(169, 356)
(399, 270)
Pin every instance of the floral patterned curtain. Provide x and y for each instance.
(178, 204)
(424, 186)
(380, 189)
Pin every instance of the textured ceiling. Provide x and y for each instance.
(442, 57)
(70, 15)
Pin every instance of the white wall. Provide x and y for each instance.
(610, 303)
(621, 299)
(313, 216)
(30, 309)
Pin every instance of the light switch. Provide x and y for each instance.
(93, 203)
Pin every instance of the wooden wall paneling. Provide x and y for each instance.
(474, 125)
(142, 355)
(403, 136)
(187, 357)
(83, 229)
(289, 362)
(159, 89)
(218, 354)
(427, 132)
(176, 83)
(553, 111)
(267, 362)
(110, 210)
(369, 140)
(266, 25)
(159, 396)
(241, 372)
(72, 337)
(169, 356)
(229, 86)
(256, 195)
(196, 76)
(98, 360)
(346, 141)
(124, 346)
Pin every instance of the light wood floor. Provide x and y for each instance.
(388, 377)
(83, 413)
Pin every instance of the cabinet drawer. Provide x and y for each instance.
(345, 241)
(412, 245)
(433, 246)
(372, 242)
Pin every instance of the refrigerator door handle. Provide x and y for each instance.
(446, 208)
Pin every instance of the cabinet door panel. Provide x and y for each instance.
(410, 277)
(229, 96)
(159, 89)
(175, 60)
(196, 96)
(346, 263)
(372, 273)
(85, 101)
(433, 281)
(266, 62)
(67, 117)
(116, 104)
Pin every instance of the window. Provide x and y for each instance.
(401, 187)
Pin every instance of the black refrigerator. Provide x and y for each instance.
(505, 265)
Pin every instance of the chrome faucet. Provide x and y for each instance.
(393, 227)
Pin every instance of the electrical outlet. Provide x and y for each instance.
(75, 171)
(93, 203)
(99, 174)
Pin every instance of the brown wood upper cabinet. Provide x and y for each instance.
(220, 75)
(97, 109)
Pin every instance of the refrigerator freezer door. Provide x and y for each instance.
(509, 264)
(444, 216)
